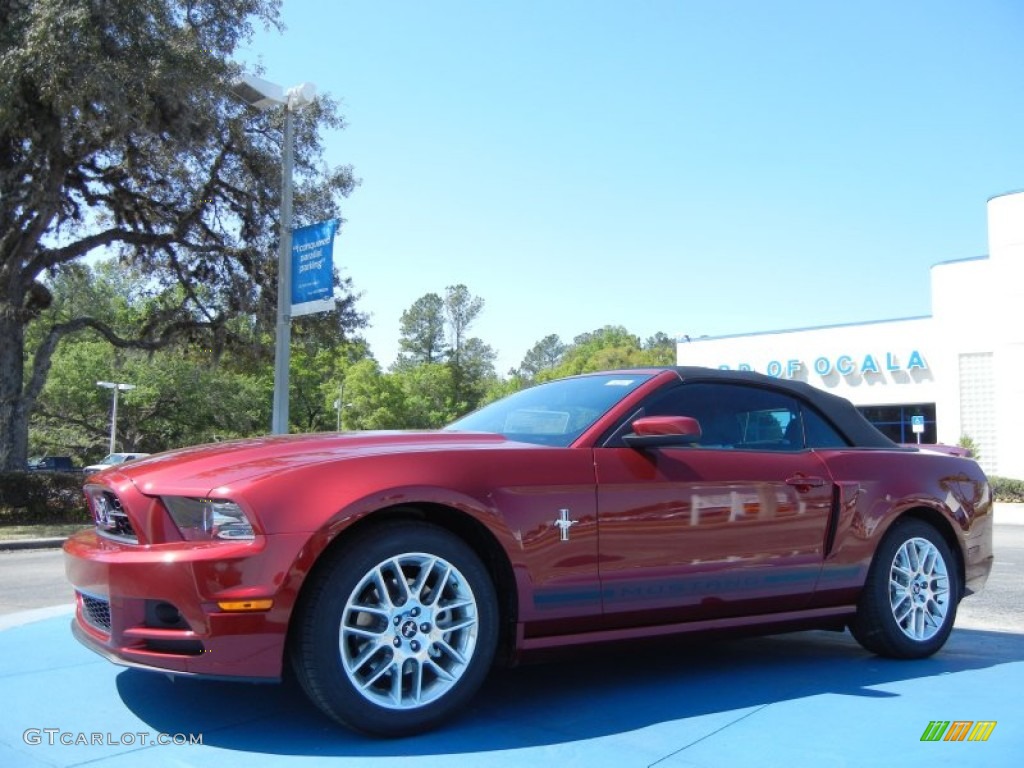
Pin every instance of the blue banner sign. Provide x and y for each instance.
(313, 268)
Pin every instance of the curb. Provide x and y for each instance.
(48, 543)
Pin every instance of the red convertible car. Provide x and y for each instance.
(390, 570)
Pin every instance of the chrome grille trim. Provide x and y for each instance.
(111, 519)
(96, 612)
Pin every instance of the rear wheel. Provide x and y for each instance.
(909, 602)
(397, 630)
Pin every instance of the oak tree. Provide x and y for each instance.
(120, 135)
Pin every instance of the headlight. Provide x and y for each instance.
(209, 519)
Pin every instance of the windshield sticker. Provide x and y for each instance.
(619, 383)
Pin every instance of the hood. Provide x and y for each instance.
(201, 469)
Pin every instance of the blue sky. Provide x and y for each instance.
(665, 165)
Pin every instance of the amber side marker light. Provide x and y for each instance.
(245, 605)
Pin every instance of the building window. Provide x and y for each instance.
(895, 421)
(978, 406)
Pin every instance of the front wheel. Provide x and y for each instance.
(397, 630)
(909, 602)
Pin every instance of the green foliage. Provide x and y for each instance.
(28, 498)
(177, 401)
(426, 393)
(499, 388)
(435, 331)
(545, 355)
(609, 348)
(661, 349)
(188, 392)
(421, 330)
(472, 374)
(373, 399)
(461, 310)
(1006, 489)
(318, 383)
(966, 441)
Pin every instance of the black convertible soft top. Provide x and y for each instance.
(838, 410)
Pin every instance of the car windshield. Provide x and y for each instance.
(113, 458)
(555, 413)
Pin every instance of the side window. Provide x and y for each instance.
(819, 433)
(773, 429)
(735, 416)
(698, 401)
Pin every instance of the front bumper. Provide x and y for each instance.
(156, 606)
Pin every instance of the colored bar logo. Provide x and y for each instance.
(958, 730)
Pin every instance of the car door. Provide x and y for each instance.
(733, 524)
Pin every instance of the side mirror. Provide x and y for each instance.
(651, 431)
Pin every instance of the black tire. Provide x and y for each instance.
(424, 643)
(910, 615)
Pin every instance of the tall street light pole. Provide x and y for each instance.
(283, 345)
(113, 415)
(263, 95)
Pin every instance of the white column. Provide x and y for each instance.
(1004, 309)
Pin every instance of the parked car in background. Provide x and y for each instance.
(391, 570)
(51, 464)
(112, 459)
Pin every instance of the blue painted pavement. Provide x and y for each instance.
(806, 698)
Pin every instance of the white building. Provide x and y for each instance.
(961, 368)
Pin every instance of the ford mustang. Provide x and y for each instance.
(390, 570)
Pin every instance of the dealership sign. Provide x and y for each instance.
(313, 268)
(844, 365)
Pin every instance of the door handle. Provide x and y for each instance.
(801, 481)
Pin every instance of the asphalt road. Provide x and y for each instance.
(34, 578)
(999, 605)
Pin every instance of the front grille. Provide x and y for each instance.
(111, 519)
(96, 612)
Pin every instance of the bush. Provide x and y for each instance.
(1007, 489)
(967, 442)
(42, 497)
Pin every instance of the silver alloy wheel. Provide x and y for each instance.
(919, 589)
(408, 631)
